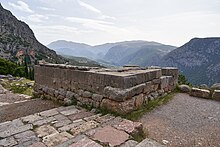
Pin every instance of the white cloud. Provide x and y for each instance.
(89, 7)
(37, 18)
(46, 8)
(22, 6)
(86, 20)
(95, 10)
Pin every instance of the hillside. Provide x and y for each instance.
(198, 60)
(17, 40)
(120, 53)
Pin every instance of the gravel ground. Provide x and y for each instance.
(16, 110)
(185, 121)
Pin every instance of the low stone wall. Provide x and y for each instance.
(121, 90)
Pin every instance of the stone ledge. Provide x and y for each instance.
(203, 93)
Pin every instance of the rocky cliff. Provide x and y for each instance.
(17, 41)
(199, 60)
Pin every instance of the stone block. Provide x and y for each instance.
(203, 93)
(48, 113)
(87, 94)
(147, 87)
(44, 121)
(45, 130)
(74, 124)
(83, 142)
(37, 144)
(56, 139)
(84, 127)
(130, 127)
(97, 97)
(31, 118)
(27, 136)
(129, 143)
(119, 107)
(9, 141)
(80, 115)
(114, 137)
(216, 95)
(139, 100)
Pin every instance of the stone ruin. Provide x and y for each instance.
(119, 90)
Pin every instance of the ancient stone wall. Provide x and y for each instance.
(121, 90)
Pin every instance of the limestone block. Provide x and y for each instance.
(216, 95)
(149, 143)
(139, 100)
(87, 94)
(147, 87)
(119, 107)
(97, 97)
(203, 93)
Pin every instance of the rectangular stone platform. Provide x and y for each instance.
(121, 89)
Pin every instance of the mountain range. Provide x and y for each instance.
(198, 60)
(142, 53)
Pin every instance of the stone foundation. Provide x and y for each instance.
(121, 90)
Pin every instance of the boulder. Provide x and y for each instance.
(216, 86)
(216, 95)
(203, 93)
(184, 88)
(204, 86)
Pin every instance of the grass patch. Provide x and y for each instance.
(136, 114)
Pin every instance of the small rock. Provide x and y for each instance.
(165, 141)
(184, 88)
(204, 86)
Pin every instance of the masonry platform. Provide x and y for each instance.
(121, 90)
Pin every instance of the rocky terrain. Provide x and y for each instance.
(198, 60)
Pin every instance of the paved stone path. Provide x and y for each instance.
(185, 121)
(71, 126)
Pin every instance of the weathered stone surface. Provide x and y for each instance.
(74, 124)
(149, 143)
(80, 115)
(216, 95)
(87, 94)
(31, 118)
(147, 88)
(115, 94)
(56, 138)
(45, 130)
(164, 81)
(112, 138)
(70, 111)
(97, 97)
(119, 107)
(129, 143)
(9, 141)
(184, 88)
(15, 129)
(216, 86)
(37, 144)
(204, 86)
(93, 117)
(129, 126)
(44, 121)
(70, 94)
(84, 127)
(203, 93)
(139, 100)
(27, 136)
(50, 112)
(104, 118)
(85, 142)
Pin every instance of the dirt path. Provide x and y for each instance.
(185, 121)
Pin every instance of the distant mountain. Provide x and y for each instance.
(199, 60)
(71, 48)
(140, 53)
(17, 41)
(120, 53)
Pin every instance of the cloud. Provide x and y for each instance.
(86, 20)
(46, 8)
(22, 6)
(95, 10)
(89, 7)
(37, 18)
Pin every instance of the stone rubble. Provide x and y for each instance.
(70, 126)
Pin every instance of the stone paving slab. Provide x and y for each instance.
(68, 127)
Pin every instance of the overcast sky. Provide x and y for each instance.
(94, 22)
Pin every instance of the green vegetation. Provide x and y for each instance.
(135, 115)
(23, 86)
(182, 80)
(7, 67)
